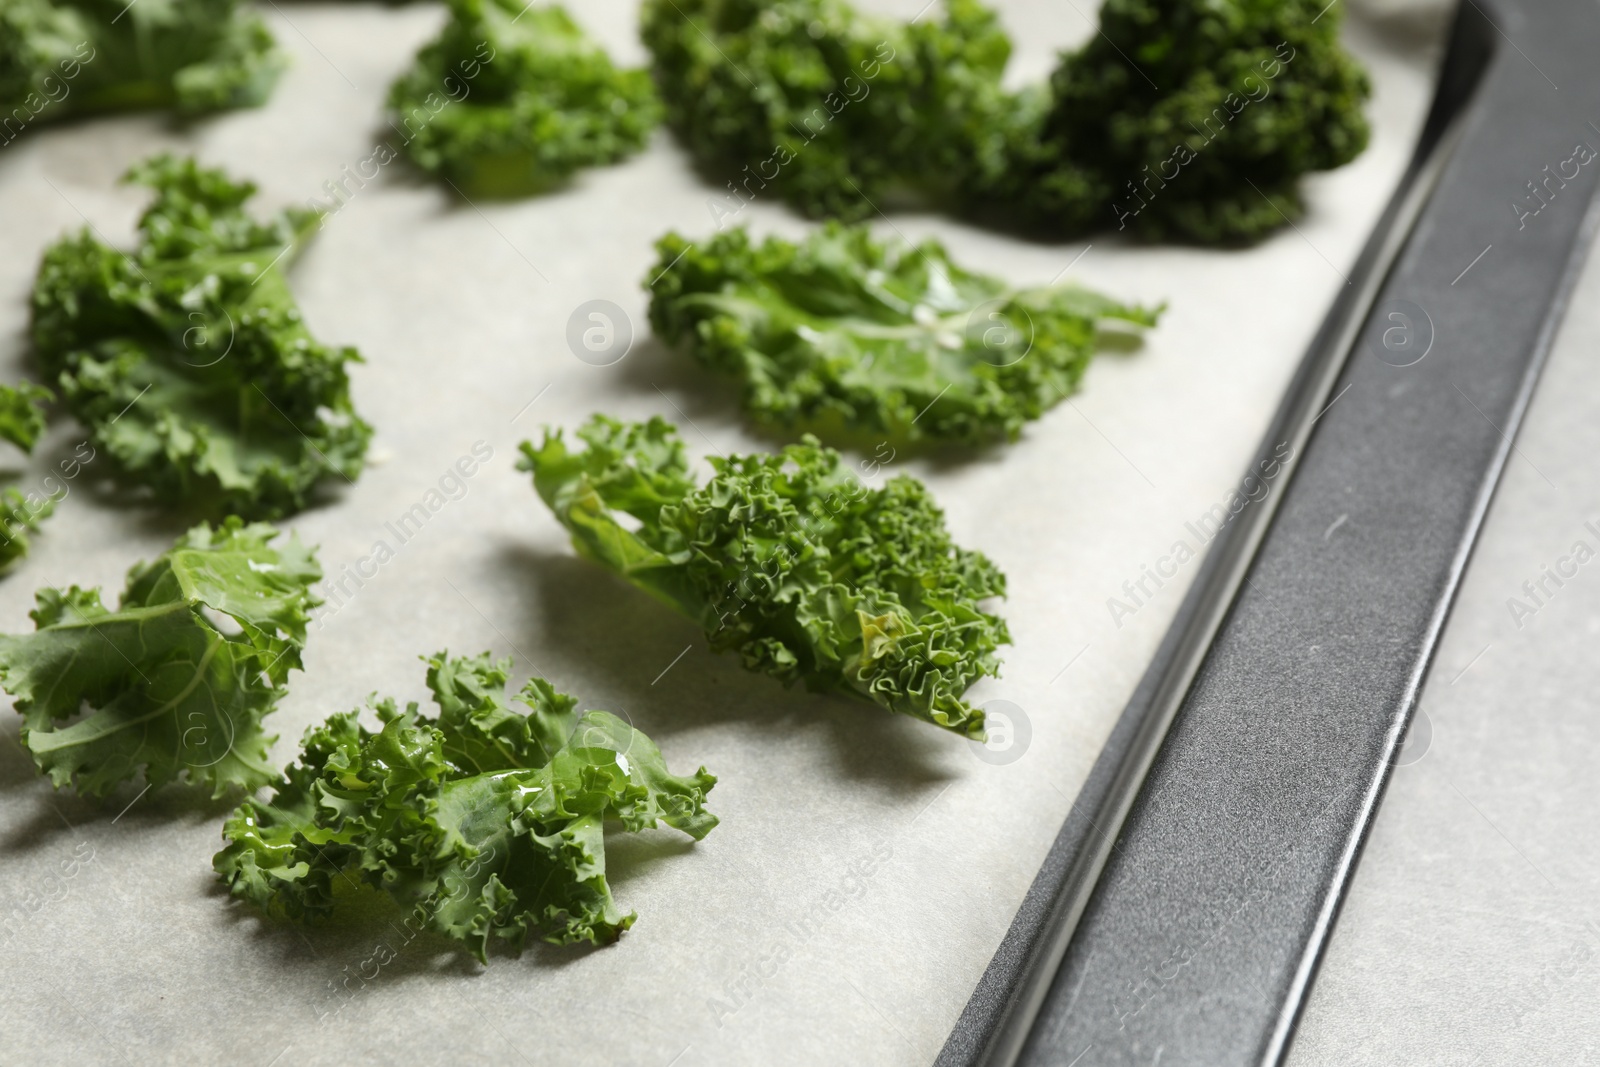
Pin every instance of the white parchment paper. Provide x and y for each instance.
(867, 866)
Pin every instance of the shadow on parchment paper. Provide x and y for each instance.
(635, 856)
(44, 815)
(654, 369)
(366, 945)
(590, 617)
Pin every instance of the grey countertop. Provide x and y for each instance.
(1470, 935)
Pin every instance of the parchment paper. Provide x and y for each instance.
(867, 865)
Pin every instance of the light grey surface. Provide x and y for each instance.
(866, 867)
(1471, 934)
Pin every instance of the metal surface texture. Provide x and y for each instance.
(1181, 913)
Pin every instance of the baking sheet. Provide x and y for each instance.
(867, 866)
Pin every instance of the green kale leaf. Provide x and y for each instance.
(21, 422)
(847, 336)
(1183, 119)
(20, 513)
(832, 108)
(513, 98)
(178, 678)
(188, 359)
(789, 559)
(22, 413)
(70, 57)
(487, 821)
(1180, 119)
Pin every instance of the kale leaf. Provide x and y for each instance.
(845, 336)
(20, 513)
(72, 57)
(177, 679)
(790, 559)
(487, 821)
(512, 98)
(832, 108)
(22, 421)
(1182, 119)
(188, 359)
(22, 413)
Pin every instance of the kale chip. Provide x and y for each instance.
(833, 109)
(188, 359)
(1179, 120)
(169, 686)
(847, 336)
(20, 515)
(1182, 120)
(73, 57)
(789, 559)
(512, 98)
(22, 421)
(487, 822)
(22, 416)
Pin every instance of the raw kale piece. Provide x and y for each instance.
(513, 98)
(789, 559)
(71, 57)
(187, 357)
(832, 108)
(19, 515)
(847, 336)
(169, 686)
(1182, 120)
(487, 821)
(22, 422)
(22, 413)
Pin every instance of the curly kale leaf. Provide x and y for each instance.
(278, 855)
(831, 108)
(70, 57)
(187, 357)
(22, 413)
(488, 821)
(847, 336)
(168, 685)
(1161, 123)
(513, 98)
(20, 514)
(1188, 120)
(789, 559)
(22, 422)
